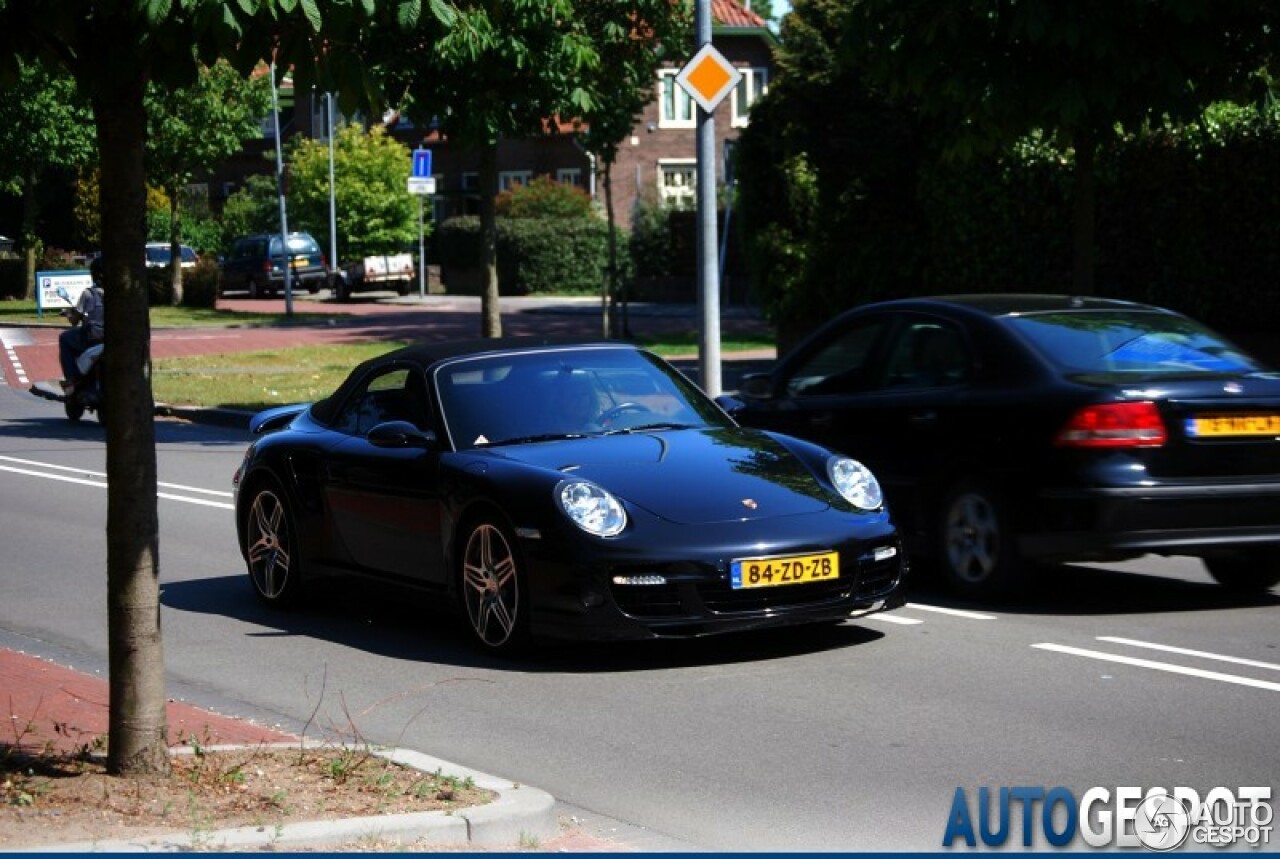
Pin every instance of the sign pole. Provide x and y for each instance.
(422, 253)
(708, 273)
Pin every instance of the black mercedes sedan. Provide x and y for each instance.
(545, 489)
(1016, 428)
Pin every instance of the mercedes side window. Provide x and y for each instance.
(928, 353)
(841, 365)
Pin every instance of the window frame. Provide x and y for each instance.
(682, 199)
(679, 98)
(754, 83)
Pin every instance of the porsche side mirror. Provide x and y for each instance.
(731, 405)
(398, 434)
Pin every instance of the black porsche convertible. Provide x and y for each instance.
(560, 490)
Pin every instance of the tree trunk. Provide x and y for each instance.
(175, 248)
(27, 232)
(490, 311)
(137, 738)
(1085, 212)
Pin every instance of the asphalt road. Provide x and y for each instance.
(848, 738)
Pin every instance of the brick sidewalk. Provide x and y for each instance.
(67, 709)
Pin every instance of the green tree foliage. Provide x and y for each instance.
(253, 208)
(191, 129)
(44, 124)
(827, 176)
(375, 212)
(494, 70)
(994, 71)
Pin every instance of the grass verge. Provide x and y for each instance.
(258, 380)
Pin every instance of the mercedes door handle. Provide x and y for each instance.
(925, 418)
(824, 420)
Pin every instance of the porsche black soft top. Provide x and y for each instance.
(428, 353)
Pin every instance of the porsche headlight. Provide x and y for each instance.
(855, 482)
(591, 508)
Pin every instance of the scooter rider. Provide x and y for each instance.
(86, 319)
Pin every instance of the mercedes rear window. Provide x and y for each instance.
(1094, 341)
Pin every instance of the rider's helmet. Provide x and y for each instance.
(95, 270)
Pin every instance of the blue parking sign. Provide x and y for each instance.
(421, 163)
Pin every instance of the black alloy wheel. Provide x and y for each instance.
(74, 407)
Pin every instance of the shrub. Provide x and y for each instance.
(13, 278)
(200, 284)
(535, 255)
(650, 240)
(544, 198)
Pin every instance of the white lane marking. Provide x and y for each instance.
(103, 475)
(892, 618)
(1202, 654)
(101, 484)
(10, 340)
(954, 612)
(1161, 666)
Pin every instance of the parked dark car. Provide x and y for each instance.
(255, 264)
(1014, 428)
(560, 490)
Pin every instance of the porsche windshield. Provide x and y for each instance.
(569, 393)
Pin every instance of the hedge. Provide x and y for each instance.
(535, 255)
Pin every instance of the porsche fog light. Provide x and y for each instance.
(855, 482)
(591, 508)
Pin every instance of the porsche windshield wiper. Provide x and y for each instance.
(534, 439)
(653, 428)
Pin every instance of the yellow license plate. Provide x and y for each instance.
(792, 570)
(1210, 426)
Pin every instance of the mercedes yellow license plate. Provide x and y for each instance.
(792, 570)
(1221, 426)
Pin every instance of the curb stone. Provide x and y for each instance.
(517, 814)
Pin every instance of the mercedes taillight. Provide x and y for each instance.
(1114, 425)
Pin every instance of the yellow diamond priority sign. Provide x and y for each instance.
(708, 77)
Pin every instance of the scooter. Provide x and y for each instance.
(88, 392)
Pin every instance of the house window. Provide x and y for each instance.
(508, 179)
(570, 176)
(754, 83)
(676, 107)
(471, 182)
(677, 183)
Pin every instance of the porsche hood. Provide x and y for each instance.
(691, 476)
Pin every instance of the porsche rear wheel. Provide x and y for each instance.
(270, 547)
(492, 587)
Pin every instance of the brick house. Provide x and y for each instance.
(656, 162)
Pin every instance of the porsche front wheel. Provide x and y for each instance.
(492, 587)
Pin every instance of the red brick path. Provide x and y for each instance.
(49, 703)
